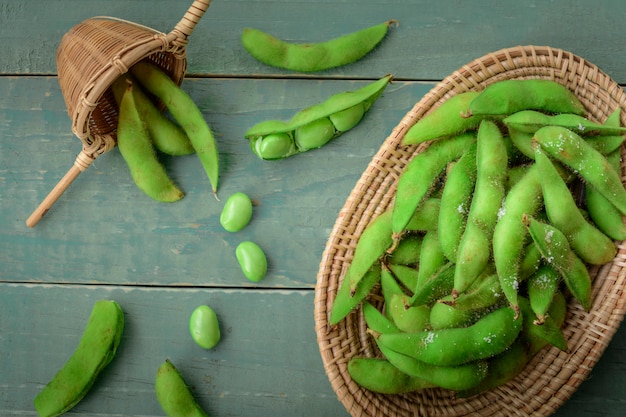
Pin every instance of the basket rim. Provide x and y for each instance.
(600, 324)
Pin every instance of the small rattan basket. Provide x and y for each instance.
(90, 57)
(552, 376)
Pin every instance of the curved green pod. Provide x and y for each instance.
(312, 57)
(529, 121)
(314, 126)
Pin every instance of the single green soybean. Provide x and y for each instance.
(186, 113)
(589, 243)
(173, 394)
(313, 57)
(204, 327)
(447, 119)
(236, 213)
(510, 96)
(252, 260)
(575, 153)
(314, 126)
(96, 349)
(419, 175)
(346, 300)
(529, 121)
(379, 375)
(555, 249)
(489, 336)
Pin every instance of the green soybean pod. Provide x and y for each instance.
(536, 337)
(445, 315)
(438, 285)
(555, 249)
(236, 213)
(447, 119)
(406, 318)
(313, 57)
(313, 126)
(407, 251)
(589, 243)
(510, 96)
(484, 292)
(523, 141)
(407, 275)
(574, 152)
(489, 336)
(529, 121)
(541, 288)
(419, 175)
(432, 258)
(377, 321)
(345, 301)
(186, 113)
(426, 217)
(173, 394)
(608, 144)
(96, 349)
(379, 375)
(137, 150)
(204, 327)
(252, 260)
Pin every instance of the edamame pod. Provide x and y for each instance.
(96, 349)
(407, 251)
(445, 120)
(529, 121)
(548, 332)
(506, 97)
(407, 319)
(555, 249)
(489, 336)
(173, 394)
(186, 113)
(406, 275)
(377, 321)
(435, 287)
(313, 126)
(541, 288)
(420, 174)
(379, 375)
(432, 258)
(136, 147)
(589, 243)
(574, 152)
(484, 292)
(426, 217)
(313, 57)
(346, 301)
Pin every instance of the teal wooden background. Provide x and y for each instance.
(105, 239)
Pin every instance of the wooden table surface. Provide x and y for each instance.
(105, 239)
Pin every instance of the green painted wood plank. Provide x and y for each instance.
(433, 39)
(104, 230)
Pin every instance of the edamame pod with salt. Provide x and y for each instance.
(314, 126)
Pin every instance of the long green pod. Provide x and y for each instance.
(96, 349)
(510, 96)
(173, 394)
(589, 243)
(489, 336)
(426, 217)
(420, 174)
(406, 251)
(347, 300)
(407, 275)
(376, 320)
(379, 375)
(575, 153)
(438, 285)
(432, 259)
(313, 57)
(186, 113)
(529, 121)
(314, 126)
(555, 249)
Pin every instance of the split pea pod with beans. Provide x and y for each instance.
(96, 349)
(313, 57)
(316, 125)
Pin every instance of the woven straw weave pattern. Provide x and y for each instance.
(552, 376)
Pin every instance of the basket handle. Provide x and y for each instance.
(81, 163)
(191, 18)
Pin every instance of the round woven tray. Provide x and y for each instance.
(553, 375)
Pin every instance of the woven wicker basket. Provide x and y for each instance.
(90, 57)
(552, 376)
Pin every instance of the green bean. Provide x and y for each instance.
(510, 96)
(589, 243)
(313, 126)
(173, 394)
(313, 57)
(236, 213)
(137, 150)
(445, 120)
(541, 289)
(345, 302)
(204, 327)
(379, 375)
(96, 349)
(377, 321)
(474, 251)
(389, 285)
(252, 260)
(448, 377)
(489, 336)
(419, 176)
(186, 113)
(573, 151)
(555, 249)
(529, 121)
(455, 202)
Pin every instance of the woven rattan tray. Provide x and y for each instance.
(552, 376)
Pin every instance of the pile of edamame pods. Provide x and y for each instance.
(492, 229)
